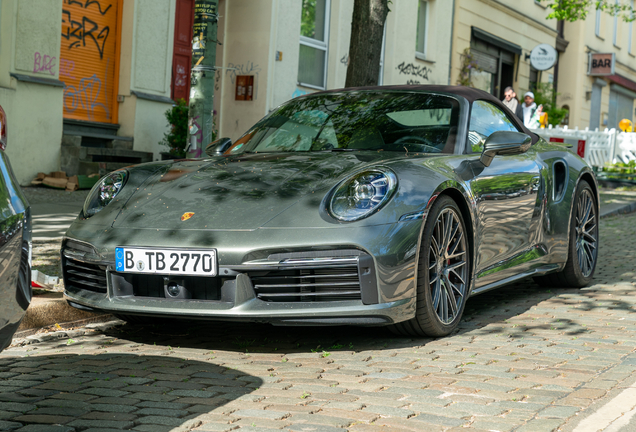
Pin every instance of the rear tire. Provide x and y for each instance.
(583, 243)
(443, 278)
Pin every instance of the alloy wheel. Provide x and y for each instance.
(586, 232)
(448, 268)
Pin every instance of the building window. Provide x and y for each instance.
(314, 30)
(598, 23)
(422, 25)
(534, 79)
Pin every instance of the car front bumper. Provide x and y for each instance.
(362, 276)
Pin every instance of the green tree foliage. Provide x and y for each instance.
(308, 19)
(574, 10)
(544, 95)
(177, 138)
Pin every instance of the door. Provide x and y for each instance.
(620, 107)
(89, 59)
(506, 198)
(182, 57)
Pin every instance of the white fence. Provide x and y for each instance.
(598, 148)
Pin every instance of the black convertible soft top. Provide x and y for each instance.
(468, 93)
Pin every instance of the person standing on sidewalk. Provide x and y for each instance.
(531, 112)
(510, 100)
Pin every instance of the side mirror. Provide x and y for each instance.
(504, 143)
(218, 147)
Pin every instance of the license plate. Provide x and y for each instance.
(189, 262)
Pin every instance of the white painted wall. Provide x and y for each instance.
(34, 117)
(29, 31)
(150, 73)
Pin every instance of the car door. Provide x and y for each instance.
(506, 199)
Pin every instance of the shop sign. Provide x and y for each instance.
(543, 57)
(601, 64)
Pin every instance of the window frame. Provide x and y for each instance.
(320, 45)
(422, 53)
(597, 24)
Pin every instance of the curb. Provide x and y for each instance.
(628, 208)
(20, 339)
(52, 308)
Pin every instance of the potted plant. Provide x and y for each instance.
(177, 138)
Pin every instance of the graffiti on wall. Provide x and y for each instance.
(299, 92)
(79, 29)
(44, 63)
(411, 69)
(181, 78)
(66, 68)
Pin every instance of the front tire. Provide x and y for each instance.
(443, 273)
(583, 243)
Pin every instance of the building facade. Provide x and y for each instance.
(288, 48)
(85, 83)
(499, 36)
(603, 100)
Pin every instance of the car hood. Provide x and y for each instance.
(236, 193)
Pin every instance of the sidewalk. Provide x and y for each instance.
(54, 210)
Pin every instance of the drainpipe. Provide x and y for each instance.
(450, 56)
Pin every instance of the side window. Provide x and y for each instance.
(486, 118)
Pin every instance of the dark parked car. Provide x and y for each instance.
(369, 206)
(15, 246)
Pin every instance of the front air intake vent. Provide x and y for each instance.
(304, 282)
(84, 276)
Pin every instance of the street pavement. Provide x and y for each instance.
(525, 358)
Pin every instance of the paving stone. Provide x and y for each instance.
(303, 427)
(336, 422)
(160, 420)
(104, 392)
(43, 418)
(192, 393)
(560, 412)
(498, 424)
(540, 425)
(161, 412)
(17, 407)
(9, 425)
(45, 428)
(100, 424)
(437, 420)
(267, 414)
(153, 428)
(389, 411)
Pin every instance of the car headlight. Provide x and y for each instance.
(104, 191)
(362, 194)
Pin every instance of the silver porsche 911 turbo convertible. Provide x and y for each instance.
(366, 206)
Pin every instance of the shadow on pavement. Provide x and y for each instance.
(117, 391)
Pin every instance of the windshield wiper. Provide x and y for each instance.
(339, 149)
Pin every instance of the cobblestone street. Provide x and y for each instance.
(525, 358)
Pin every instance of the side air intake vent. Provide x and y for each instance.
(560, 180)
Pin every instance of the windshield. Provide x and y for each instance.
(387, 121)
